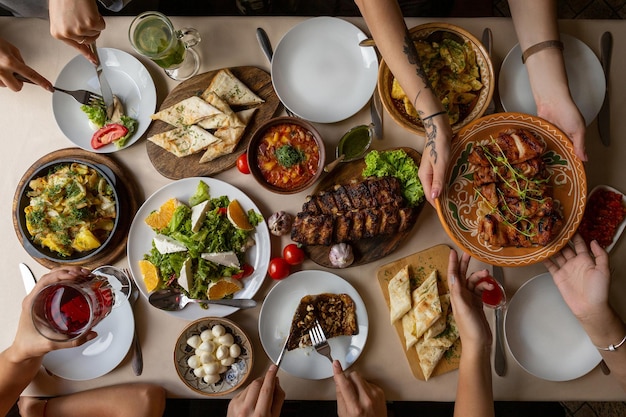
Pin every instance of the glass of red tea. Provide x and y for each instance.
(68, 309)
(495, 297)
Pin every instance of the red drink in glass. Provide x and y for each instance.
(67, 310)
(494, 298)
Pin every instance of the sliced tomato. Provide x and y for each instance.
(108, 134)
(246, 271)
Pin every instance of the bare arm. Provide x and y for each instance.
(536, 21)
(583, 281)
(20, 362)
(474, 397)
(384, 20)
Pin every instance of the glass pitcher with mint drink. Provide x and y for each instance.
(153, 35)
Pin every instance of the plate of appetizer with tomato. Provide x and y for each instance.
(92, 127)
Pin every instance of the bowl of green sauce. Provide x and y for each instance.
(355, 143)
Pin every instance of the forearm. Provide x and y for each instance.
(610, 330)
(535, 22)
(17, 373)
(474, 395)
(385, 22)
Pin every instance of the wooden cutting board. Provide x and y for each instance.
(421, 264)
(128, 195)
(176, 168)
(365, 250)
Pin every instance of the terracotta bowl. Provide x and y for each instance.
(236, 373)
(42, 252)
(257, 144)
(458, 205)
(475, 110)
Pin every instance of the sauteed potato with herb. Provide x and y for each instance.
(71, 209)
(453, 72)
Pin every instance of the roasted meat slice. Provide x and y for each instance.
(371, 223)
(515, 208)
(343, 228)
(516, 145)
(389, 219)
(310, 205)
(502, 173)
(357, 230)
(311, 229)
(342, 200)
(326, 203)
(359, 195)
(385, 190)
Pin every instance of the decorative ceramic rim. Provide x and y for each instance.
(483, 60)
(456, 207)
(230, 380)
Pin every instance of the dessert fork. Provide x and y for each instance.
(82, 96)
(318, 339)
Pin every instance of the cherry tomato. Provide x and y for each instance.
(222, 211)
(293, 254)
(242, 164)
(246, 271)
(279, 268)
(108, 134)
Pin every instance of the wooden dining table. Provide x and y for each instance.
(31, 132)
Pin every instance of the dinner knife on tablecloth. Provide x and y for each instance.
(27, 277)
(604, 117)
(499, 362)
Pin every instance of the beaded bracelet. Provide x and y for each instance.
(613, 348)
(540, 47)
(433, 115)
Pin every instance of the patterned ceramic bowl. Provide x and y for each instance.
(235, 373)
(458, 205)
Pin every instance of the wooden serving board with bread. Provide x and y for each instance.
(174, 167)
(420, 265)
(368, 249)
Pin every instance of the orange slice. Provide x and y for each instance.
(237, 216)
(160, 218)
(150, 275)
(222, 288)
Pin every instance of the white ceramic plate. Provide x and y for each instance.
(140, 241)
(320, 72)
(129, 80)
(621, 226)
(544, 336)
(584, 73)
(278, 310)
(100, 355)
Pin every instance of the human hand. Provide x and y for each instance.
(356, 397)
(28, 343)
(466, 303)
(435, 156)
(77, 23)
(262, 398)
(583, 280)
(563, 113)
(11, 63)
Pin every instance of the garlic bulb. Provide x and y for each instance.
(279, 223)
(341, 255)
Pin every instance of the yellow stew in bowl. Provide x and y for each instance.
(288, 156)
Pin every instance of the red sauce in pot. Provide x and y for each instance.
(299, 138)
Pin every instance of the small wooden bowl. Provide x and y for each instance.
(253, 148)
(421, 32)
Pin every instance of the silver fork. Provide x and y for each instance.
(137, 359)
(82, 96)
(318, 339)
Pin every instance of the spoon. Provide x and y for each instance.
(333, 164)
(174, 300)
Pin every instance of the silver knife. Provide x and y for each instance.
(604, 117)
(377, 115)
(499, 362)
(105, 89)
(487, 43)
(27, 277)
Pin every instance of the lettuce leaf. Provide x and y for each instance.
(399, 164)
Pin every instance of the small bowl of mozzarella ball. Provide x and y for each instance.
(213, 356)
